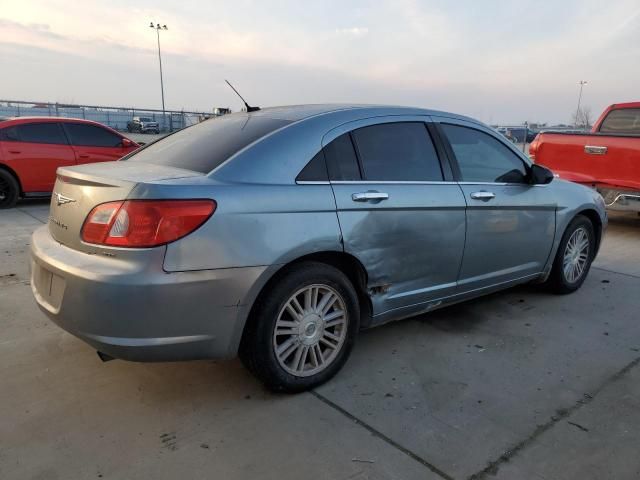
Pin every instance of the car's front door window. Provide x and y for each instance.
(49, 132)
(482, 158)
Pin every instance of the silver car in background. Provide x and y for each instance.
(278, 234)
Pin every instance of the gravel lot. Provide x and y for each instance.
(520, 384)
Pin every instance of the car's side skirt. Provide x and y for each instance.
(418, 309)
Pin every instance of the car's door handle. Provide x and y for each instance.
(595, 150)
(482, 195)
(369, 196)
(83, 155)
(15, 151)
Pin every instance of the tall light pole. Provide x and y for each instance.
(157, 28)
(582, 83)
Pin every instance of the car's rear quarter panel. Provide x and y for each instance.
(253, 225)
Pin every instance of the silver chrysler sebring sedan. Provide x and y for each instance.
(277, 234)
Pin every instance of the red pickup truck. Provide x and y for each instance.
(607, 158)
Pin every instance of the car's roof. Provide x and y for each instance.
(9, 122)
(275, 157)
(296, 113)
(625, 105)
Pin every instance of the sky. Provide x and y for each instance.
(502, 62)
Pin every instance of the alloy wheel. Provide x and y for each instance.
(310, 330)
(576, 255)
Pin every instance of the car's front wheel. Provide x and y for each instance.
(302, 329)
(573, 259)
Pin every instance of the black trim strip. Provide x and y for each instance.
(453, 161)
(443, 157)
(357, 152)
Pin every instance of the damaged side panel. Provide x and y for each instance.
(411, 244)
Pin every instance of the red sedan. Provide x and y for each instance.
(32, 149)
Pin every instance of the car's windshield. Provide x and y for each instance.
(203, 147)
(145, 119)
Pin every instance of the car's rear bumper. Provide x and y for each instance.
(621, 199)
(136, 311)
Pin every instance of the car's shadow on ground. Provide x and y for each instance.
(624, 219)
(223, 381)
(33, 202)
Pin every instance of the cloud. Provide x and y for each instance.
(490, 61)
(355, 31)
(40, 29)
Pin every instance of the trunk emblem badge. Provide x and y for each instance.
(62, 200)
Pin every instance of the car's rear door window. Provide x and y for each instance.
(624, 121)
(82, 134)
(341, 158)
(9, 134)
(397, 152)
(205, 146)
(49, 132)
(483, 158)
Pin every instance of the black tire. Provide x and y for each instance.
(257, 349)
(9, 189)
(558, 281)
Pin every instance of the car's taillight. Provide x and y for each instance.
(144, 223)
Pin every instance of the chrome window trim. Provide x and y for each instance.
(409, 182)
(502, 184)
(313, 182)
(391, 182)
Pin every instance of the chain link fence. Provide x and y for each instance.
(114, 117)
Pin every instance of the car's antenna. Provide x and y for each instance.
(249, 107)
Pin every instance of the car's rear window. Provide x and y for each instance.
(205, 146)
(624, 121)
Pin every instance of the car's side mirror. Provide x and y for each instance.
(540, 175)
(126, 143)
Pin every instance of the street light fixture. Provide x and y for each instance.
(157, 28)
(582, 83)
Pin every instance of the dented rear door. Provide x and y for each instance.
(401, 219)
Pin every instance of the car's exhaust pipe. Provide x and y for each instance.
(104, 357)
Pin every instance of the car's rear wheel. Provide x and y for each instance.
(573, 259)
(303, 328)
(9, 189)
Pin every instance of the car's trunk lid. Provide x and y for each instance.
(79, 189)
